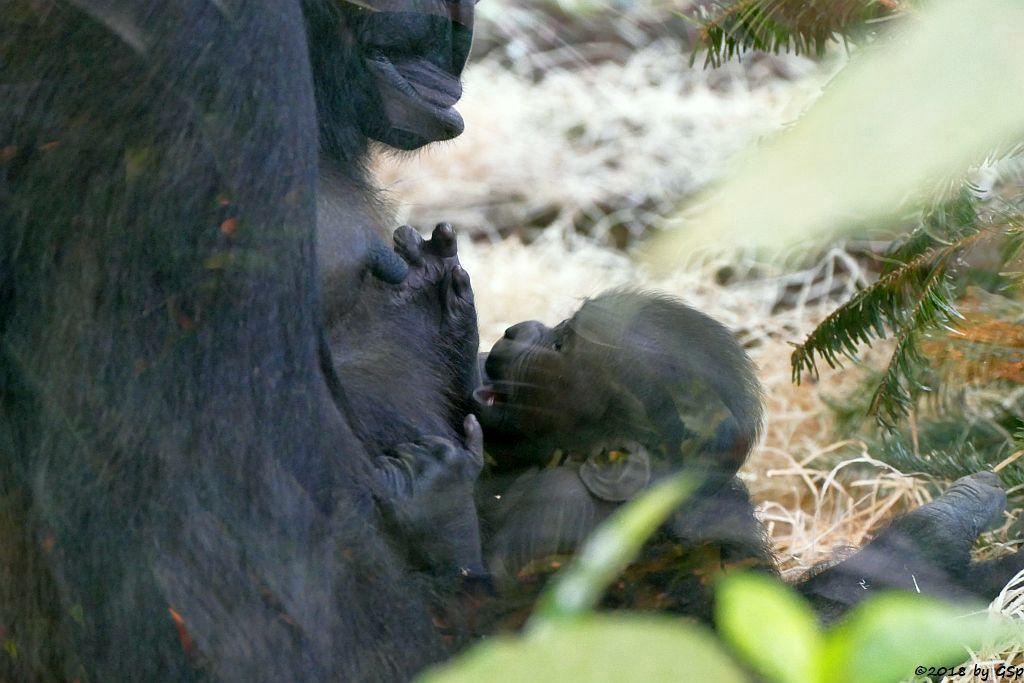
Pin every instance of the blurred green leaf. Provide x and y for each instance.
(770, 626)
(883, 639)
(609, 551)
(595, 649)
(927, 100)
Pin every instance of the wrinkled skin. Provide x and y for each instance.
(426, 327)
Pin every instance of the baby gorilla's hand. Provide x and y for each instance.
(425, 490)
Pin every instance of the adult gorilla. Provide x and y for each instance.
(182, 495)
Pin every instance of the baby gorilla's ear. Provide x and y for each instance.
(617, 474)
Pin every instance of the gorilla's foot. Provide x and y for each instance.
(926, 551)
(437, 281)
(429, 260)
(946, 528)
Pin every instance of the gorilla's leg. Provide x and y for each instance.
(926, 551)
(545, 516)
(724, 515)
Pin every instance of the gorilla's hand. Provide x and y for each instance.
(425, 491)
(438, 282)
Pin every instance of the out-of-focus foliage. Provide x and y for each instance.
(763, 621)
(881, 640)
(597, 648)
(924, 102)
(728, 29)
(783, 642)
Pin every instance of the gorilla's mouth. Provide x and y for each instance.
(492, 406)
(419, 99)
(488, 396)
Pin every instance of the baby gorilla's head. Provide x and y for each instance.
(628, 367)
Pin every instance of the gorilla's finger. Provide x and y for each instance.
(474, 437)
(461, 285)
(387, 265)
(443, 242)
(409, 244)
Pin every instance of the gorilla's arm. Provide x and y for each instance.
(405, 358)
(928, 551)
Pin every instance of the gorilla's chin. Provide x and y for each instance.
(418, 102)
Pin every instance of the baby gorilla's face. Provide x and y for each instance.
(542, 385)
(531, 384)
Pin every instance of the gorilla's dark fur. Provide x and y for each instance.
(626, 366)
(173, 434)
(211, 465)
(583, 416)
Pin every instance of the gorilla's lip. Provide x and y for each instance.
(421, 96)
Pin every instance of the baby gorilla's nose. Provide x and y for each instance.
(528, 332)
(506, 350)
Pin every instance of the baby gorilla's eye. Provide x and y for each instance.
(557, 346)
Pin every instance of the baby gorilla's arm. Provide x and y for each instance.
(424, 490)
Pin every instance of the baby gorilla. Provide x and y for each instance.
(633, 387)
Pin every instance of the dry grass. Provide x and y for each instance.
(612, 147)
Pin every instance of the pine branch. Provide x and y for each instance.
(952, 460)
(900, 383)
(865, 317)
(905, 302)
(964, 436)
(731, 28)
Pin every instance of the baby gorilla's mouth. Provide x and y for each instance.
(489, 396)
